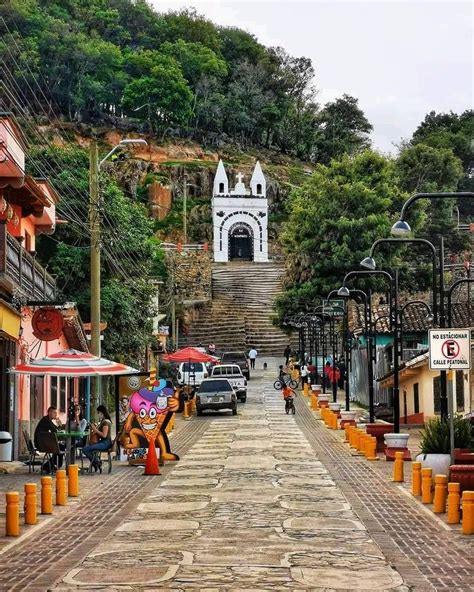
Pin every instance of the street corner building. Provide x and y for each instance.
(33, 323)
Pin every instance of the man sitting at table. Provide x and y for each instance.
(49, 423)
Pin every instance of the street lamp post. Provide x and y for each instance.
(345, 293)
(394, 325)
(369, 262)
(401, 227)
(95, 249)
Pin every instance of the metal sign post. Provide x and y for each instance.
(450, 349)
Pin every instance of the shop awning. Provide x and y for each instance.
(10, 320)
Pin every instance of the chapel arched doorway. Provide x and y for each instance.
(240, 242)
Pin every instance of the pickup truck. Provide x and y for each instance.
(234, 375)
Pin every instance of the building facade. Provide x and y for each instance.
(240, 217)
(27, 209)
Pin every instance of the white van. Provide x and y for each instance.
(192, 373)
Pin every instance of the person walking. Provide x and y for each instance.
(304, 373)
(287, 354)
(253, 356)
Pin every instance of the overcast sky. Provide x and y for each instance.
(401, 59)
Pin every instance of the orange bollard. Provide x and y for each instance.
(362, 443)
(454, 498)
(398, 475)
(372, 449)
(30, 503)
(468, 512)
(416, 478)
(12, 514)
(357, 436)
(368, 446)
(440, 494)
(353, 437)
(333, 425)
(60, 487)
(73, 480)
(347, 432)
(186, 410)
(306, 389)
(46, 495)
(426, 493)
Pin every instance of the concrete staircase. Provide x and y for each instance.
(240, 314)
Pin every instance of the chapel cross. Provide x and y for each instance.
(239, 177)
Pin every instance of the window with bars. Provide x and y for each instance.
(437, 395)
(416, 398)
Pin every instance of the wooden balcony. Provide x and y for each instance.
(21, 273)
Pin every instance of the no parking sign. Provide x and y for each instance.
(450, 349)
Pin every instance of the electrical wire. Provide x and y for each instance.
(26, 116)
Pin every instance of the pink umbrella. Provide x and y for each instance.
(72, 362)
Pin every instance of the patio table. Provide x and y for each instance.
(68, 436)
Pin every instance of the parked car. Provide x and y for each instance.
(234, 375)
(192, 373)
(239, 358)
(216, 394)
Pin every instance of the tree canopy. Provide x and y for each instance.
(179, 72)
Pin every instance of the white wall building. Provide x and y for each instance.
(240, 217)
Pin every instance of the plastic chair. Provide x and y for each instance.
(33, 452)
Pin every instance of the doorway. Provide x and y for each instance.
(241, 243)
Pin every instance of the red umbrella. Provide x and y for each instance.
(72, 362)
(189, 354)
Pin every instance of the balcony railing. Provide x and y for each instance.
(19, 270)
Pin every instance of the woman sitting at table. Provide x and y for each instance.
(78, 424)
(99, 437)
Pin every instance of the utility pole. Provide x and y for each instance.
(94, 225)
(185, 221)
(173, 307)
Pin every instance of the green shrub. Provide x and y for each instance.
(435, 436)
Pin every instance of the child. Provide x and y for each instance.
(288, 393)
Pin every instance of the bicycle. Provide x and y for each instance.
(283, 381)
(290, 405)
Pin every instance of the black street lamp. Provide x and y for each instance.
(344, 292)
(401, 227)
(369, 262)
(395, 328)
(450, 295)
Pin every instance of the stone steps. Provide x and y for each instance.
(240, 314)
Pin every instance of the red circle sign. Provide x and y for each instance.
(47, 324)
(450, 349)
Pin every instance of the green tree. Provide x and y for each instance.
(333, 220)
(343, 129)
(448, 130)
(161, 85)
(423, 169)
(131, 254)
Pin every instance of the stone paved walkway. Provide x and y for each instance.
(260, 501)
(249, 507)
(47, 551)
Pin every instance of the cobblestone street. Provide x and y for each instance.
(260, 501)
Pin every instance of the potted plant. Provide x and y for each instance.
(435, 444)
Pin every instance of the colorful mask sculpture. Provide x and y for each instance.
(152, 409)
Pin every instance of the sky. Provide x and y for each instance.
(401, 59)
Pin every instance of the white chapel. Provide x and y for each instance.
(240, 217)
